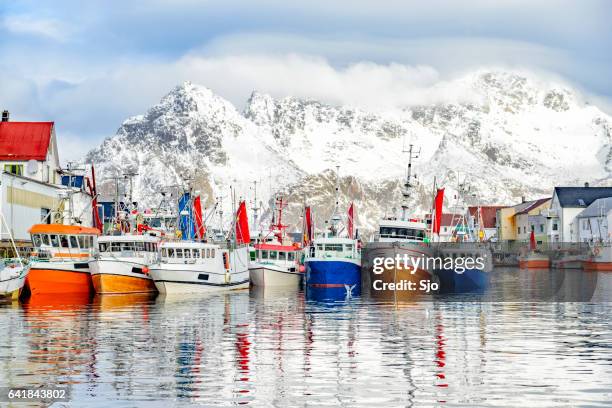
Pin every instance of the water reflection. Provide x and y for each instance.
(286, 348)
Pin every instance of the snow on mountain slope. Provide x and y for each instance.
(520, 137)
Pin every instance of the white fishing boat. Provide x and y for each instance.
(195, 267)
(274, 261)
(121, 264)
(13, 271)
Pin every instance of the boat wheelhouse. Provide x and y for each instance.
(61, 259)
(121, 264)
(275, 265)
(194, 267)
(274, 260)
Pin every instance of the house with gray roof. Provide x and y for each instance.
(566, 204)
(592, 224)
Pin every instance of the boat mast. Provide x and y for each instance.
(412, 154)
(335, 218)
(255, 207)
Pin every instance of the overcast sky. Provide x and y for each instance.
(88, 65)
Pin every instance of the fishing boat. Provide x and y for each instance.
(532, 258)
(465, 263)
(13, 274)
(600, 258)
(275, 262)
(194, 267)
(122, 262)
(60, 263)
(333, 261)
(13, 271)
(399, 236)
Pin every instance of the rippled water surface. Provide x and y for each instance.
(271, 348)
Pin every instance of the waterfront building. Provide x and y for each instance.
(530, 218)
(514, 224)
(566, 204)
(31, 189)
(593, 223)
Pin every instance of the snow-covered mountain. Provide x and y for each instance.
(518, 136)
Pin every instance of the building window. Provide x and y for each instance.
(14, 169)
(532, 228)
(519, 230)
(555, 227)
(541, 227)
(585, 225)
(45, 216)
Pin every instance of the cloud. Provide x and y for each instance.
(31, 25)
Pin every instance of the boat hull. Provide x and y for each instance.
(469, 281)
(333, 273)
(12, 281)
(59, 278)
(175, 288)
(597, 266)
(534, 261)
(378, 283)
(273, 277)
(534, 264)
(120, 277)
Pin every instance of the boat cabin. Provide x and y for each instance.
(334, 247)
(128, 245)
(63, 241)
(188, 252)
(276, 254)
(393, 230)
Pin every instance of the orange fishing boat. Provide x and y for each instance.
(61, 259)
(599, 259)
(122, 264)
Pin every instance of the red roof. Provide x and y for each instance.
(23, 141)
(488, 214)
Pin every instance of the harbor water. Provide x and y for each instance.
(281, 348)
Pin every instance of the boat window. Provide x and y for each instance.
(103, 247)
(273, 255)
(73, 242)
(196, 253)
(83, 241)
(319, 247)
(348, 247)
(179, 252)
(115, 246)
(333, 247)
(64, 241)
(264, 254)
(55, 241)
(45, 239)
(187, 253)
(140, 246)
(291, 256)
(36, 240)
(253, 255)
(212, 253)
(127, 246)
(170, 252)
(282, 256)
(164, 253)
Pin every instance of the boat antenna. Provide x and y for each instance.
(413, 153)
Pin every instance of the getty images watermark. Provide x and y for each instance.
(408, 267)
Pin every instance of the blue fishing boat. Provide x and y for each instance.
(467, 262)
(333, 260)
